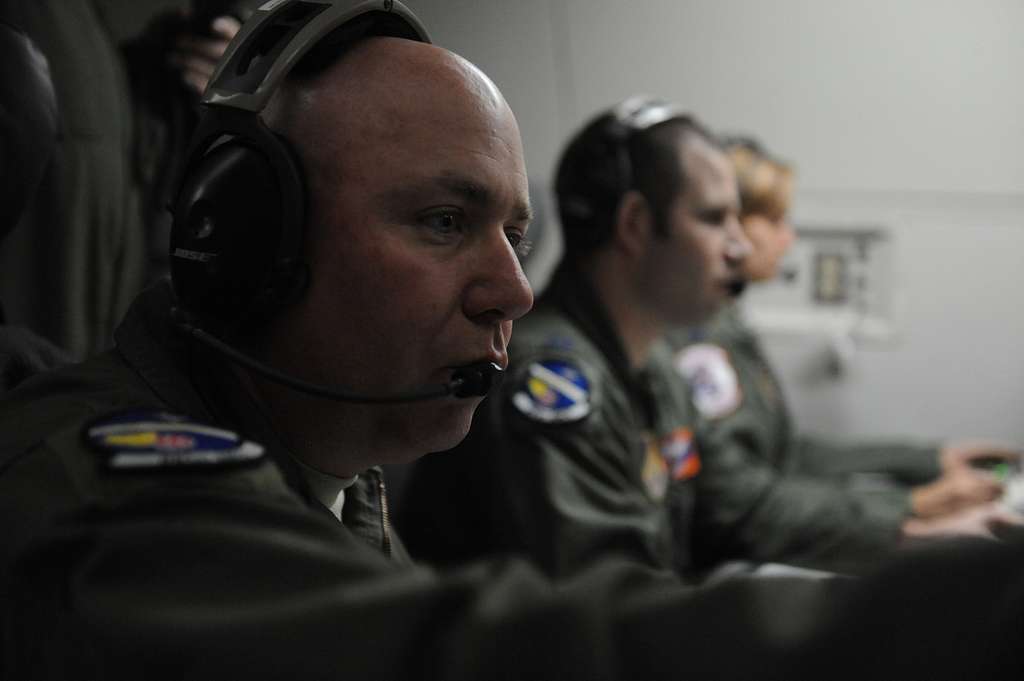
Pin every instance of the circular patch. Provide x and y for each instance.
(152, 439)
(553, 391)
(712, 379)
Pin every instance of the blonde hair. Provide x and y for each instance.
(765, 183)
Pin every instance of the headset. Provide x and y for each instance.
(237, 231)
(609, 169)
(628, 119)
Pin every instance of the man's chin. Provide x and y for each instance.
(701, 316)
(443, 428)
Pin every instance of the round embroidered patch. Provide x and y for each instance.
(713, 382)
(553, 391)
(153, 439)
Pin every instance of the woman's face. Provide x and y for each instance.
(770, 239)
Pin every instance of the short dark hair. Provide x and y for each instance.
(612, 155)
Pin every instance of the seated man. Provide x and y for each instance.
(170, 513)
(767, 493)
(589, 443)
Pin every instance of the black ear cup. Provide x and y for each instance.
(594, 176)
(235, 244)
(237, 235)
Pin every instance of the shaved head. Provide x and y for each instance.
(380, 85)
(371, 97)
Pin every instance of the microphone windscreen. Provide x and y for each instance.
(476, 380)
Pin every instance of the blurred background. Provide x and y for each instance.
(899, 312)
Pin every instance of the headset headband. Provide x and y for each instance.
(640, 113)
(600, 187)
(276, 37)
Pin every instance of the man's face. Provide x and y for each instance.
(692, 269)
(417, 205)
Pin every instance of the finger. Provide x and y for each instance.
(210, 48)
(195, 81)
(185, 62)
(972, 449)
(1003, 516)
(993, 452)
(226, 26)
(980, 489)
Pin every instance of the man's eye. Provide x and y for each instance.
(713, 217)
(444, 222)
(443, 225)
(520, 244)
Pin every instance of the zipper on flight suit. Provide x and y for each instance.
(385, 519)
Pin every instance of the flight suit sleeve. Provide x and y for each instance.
(203, 587)
(214, 573)
(906, 463)
(753, 503)
(748, 509)
(571, 489)
(214, 581)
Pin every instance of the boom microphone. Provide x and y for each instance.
(474, 380)
(737, 287)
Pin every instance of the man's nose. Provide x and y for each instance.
(737, 246)
(499, 290)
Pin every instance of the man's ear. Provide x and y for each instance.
(634, 224)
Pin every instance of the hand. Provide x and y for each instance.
(196, 54)
(986, 521)
(969, 454)
(960, 488)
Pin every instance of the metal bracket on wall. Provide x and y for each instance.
(836, 283)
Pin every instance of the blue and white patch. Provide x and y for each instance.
(151, 439)
(553, 391)
(713, 381)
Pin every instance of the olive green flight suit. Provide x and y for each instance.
(202, 571)
(229, 569)
(766, 493)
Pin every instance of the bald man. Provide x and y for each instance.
(168, 514)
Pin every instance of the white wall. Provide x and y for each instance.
(905, 114)
(955, 367)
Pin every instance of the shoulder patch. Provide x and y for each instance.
(712, 379)
(552, 391)
(142, 440)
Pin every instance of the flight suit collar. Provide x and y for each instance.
(198, 383)
(571, 292)
(149, 343)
